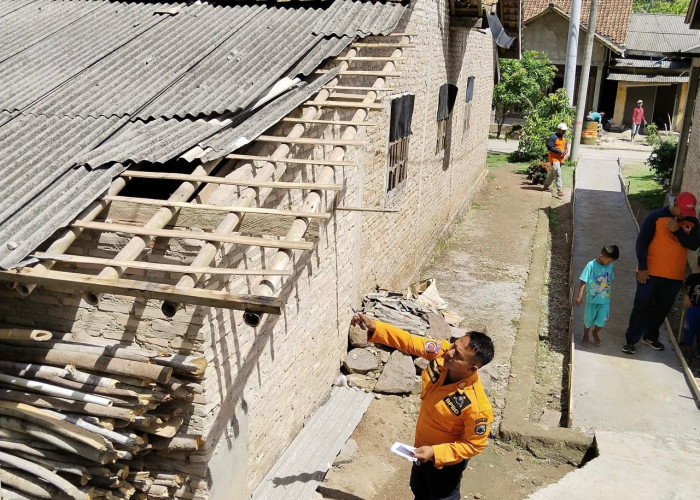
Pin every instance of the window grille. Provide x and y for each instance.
(399, 140)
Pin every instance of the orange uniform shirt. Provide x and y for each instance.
(454, 418)
(560, 144)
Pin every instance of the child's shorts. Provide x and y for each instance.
(595, 314)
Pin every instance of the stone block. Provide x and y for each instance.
(360, 361)
(420, 364)
(347, 453)
(358, 337)
(361, 381)
(398, 375)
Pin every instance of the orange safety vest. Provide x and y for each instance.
(560, 144)
(454, 418)
(666, 256)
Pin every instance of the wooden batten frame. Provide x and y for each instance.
(324, 122)
(369, 58)
(303, 161)
(341, 104)
(157, 266)
(350, 87)
(369, 45)
(340, 95)
(218, 208)
(382, 74)
(232, 182)
(175, 233)
(131, 288)
(311, 140)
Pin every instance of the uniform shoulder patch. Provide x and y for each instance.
(480, 429)
(433, 372)
(482, 420)
(457, 402)
(432, 347)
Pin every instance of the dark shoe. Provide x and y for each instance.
(628, 349)
(654, 344)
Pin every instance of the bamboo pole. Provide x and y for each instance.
(54, 390)
(67, 405)
(138, 243)
(89, 361)
(226, 181)
(25, 483)
(68, 237)
(247, 197)
(23, 334)
(44, 474)
(312, 201)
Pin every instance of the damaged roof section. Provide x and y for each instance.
(93, 86)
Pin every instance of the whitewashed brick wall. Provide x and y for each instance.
(262, 384)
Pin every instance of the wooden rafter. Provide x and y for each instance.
(369, 58)
(381, 74)
(369, 45)
(303, 161)
(310, 140)
(132, 288)
(157, 266)
(350, 87)
(340, 104)
(219, 208)
(195, 235)
(232, 182)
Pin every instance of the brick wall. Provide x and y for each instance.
(263, 383)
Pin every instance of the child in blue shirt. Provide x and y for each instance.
(596, 278)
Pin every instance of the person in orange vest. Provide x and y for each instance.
(455, 414)
(662, 243)
(558, 149)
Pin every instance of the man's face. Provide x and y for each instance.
(560, 132)
(460, 359)
(676, 211)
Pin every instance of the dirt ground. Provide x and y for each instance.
(481, 270)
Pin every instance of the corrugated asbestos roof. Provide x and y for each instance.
(651, 64)
(629, 77)
(660, 33)
(89, 86)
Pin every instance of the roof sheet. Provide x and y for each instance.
(651, 64)
(91, 85)
(613, 15)
(660, 33)
(630, 77)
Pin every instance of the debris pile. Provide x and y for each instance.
(420, 311)
(81, 421)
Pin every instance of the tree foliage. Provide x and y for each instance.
(523, 84)
(678, 7)
(661, 161)
(540, 123)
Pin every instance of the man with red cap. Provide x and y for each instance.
(664, 238)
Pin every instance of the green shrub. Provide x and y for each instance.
(661, 161)
(652, 134)
(537, 172)
(540, 123)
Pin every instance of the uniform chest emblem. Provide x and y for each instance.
(457, 402)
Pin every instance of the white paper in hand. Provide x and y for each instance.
(404, 451)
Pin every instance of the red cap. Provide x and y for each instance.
(686, 203)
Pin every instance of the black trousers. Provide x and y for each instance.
(652, 302)
(431, 483)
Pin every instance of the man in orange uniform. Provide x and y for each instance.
(664, 238)
(455, 414)
(558, 150)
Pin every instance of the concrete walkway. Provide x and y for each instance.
(639, 407)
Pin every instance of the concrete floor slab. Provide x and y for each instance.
(613, 390)
(633, 466)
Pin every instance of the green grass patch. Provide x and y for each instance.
(553, 218)
(495, 160)
(567, 175)
(477, 206)
(642, 186)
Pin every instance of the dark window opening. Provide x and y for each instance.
(399, 138)
(468, 106)
(446, 101)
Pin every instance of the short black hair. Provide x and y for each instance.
(611, 251)
(482, 345)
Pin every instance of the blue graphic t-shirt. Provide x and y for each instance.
(598, 279)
